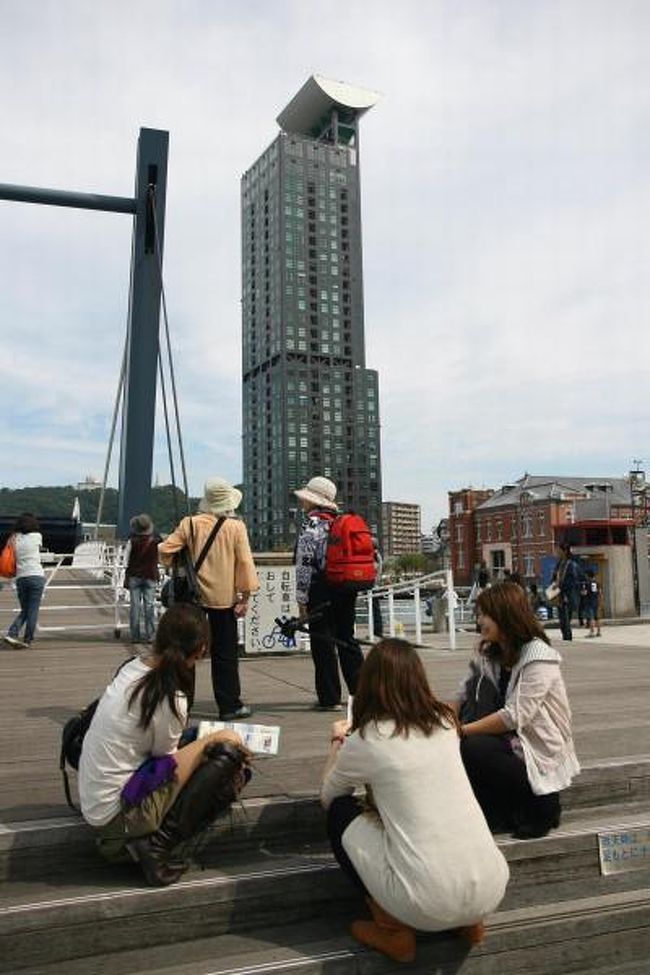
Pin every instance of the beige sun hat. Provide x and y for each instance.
(219, 497)
(320, 491)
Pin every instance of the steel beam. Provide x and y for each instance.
(138, 414)
(64, 198)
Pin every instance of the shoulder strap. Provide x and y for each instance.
(206, 548)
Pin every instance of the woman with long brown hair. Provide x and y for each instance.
(517, 744)
(419, 847)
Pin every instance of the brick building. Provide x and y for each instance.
(462, 532)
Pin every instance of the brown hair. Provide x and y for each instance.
(507, 604)
(393, 686)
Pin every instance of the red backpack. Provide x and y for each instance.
(350, 553)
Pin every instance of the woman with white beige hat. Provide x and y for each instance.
(226, 578)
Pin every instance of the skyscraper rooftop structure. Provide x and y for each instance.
(310, 406)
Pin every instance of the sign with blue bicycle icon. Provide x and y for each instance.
(275, 598)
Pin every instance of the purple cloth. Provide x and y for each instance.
(156, 771)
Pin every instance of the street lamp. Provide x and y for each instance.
(637, 485)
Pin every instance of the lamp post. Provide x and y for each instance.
(637, 483)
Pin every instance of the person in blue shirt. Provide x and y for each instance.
(568, 577)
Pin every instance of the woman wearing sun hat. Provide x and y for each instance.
(331, 632)
(226, 579)
(141, 576)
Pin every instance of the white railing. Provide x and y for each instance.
(94, 567)
(441, 581)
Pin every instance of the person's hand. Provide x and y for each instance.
(241, 608)
(340, 728)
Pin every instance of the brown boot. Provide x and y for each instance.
(473, 933)
(386, 934)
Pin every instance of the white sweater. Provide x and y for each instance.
(115, 745)
(28, 554)
(428, 857)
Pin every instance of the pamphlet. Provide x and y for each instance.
(261, 739)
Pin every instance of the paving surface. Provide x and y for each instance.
(608, 681)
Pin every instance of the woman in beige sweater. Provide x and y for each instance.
(420, 849)
(226, 579)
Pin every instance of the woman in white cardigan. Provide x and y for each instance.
(419, 847)
(517, 743)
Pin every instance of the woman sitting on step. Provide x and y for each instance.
(418, 847)
(143, 795)
(517, 744)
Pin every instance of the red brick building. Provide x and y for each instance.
(519, 526)
(462, 532)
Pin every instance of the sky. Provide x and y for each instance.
(505, 203)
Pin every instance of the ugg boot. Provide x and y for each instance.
(386, 934)
(473, 933)
(210, 791)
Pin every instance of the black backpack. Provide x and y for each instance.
(72, 739)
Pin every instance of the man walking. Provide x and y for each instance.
(567, 575)
(332, 628)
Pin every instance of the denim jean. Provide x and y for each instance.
(143, 592)
(30, 593)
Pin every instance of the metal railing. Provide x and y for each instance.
(94, 568)
(441, 582)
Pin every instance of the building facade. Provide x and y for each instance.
(518, 527)
(401, 528)
(310, 406)
(462, 532)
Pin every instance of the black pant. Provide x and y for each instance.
(224, 658)
(339, 816)
(565, 612)
(335, 622)
(498, 778)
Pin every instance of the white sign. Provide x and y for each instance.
(625, 849)
(276, 597)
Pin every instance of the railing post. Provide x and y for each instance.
(418, 615)
(451, 610)
(371, 622)
(391, 612)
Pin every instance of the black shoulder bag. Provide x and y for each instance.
(183, 584)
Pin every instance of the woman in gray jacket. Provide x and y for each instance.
(517, 744)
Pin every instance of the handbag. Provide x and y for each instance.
(8, 560)
(552, 592)
(183, 584)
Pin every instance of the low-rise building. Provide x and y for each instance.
(518, 527)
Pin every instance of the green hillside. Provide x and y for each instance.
(58, 502)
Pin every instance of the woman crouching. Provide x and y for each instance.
(419, 848)
(517, 743)
(142, 794)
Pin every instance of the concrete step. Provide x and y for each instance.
(86, 913)
(600, 935)
(25, 846)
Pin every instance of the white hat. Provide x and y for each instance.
(319, 490)
(219, 497)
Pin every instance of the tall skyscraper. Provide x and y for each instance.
(310, 406)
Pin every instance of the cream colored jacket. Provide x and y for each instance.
(228, 568)
(537, 709)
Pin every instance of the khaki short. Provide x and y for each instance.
(135, 821)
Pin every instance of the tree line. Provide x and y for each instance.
(57, 502)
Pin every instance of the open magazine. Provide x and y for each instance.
(260, 738)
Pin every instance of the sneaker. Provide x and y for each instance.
(317, 706)
(238, 715)
(14, 642)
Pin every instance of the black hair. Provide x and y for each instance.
(26, 523)
(181, 634)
